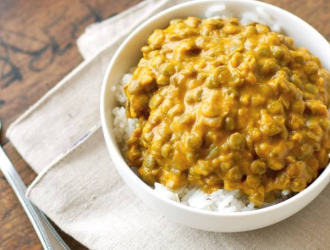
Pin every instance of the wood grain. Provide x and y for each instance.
(37, 49)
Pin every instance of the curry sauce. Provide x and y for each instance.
(223, 105)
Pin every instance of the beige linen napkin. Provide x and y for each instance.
(79, 188)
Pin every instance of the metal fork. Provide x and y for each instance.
(48, 236)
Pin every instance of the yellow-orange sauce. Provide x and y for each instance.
(221, 104)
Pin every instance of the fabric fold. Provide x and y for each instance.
(69, 110)
(100, 211)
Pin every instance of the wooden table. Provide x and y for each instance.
(37, 49)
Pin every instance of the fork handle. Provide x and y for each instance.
(48, 236)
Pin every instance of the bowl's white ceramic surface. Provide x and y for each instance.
(128, 56)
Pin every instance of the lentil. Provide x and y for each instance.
(223, 105)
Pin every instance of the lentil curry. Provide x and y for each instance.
(223, 105)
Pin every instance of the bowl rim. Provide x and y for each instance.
(114, 149)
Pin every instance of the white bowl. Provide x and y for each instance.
(128, 56)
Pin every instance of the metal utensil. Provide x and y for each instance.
(48, 236)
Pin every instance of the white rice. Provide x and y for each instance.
(220, 200)
(260, 16)
(123, 126)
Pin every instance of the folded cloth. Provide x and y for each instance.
(79, 188)
(65, 114)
